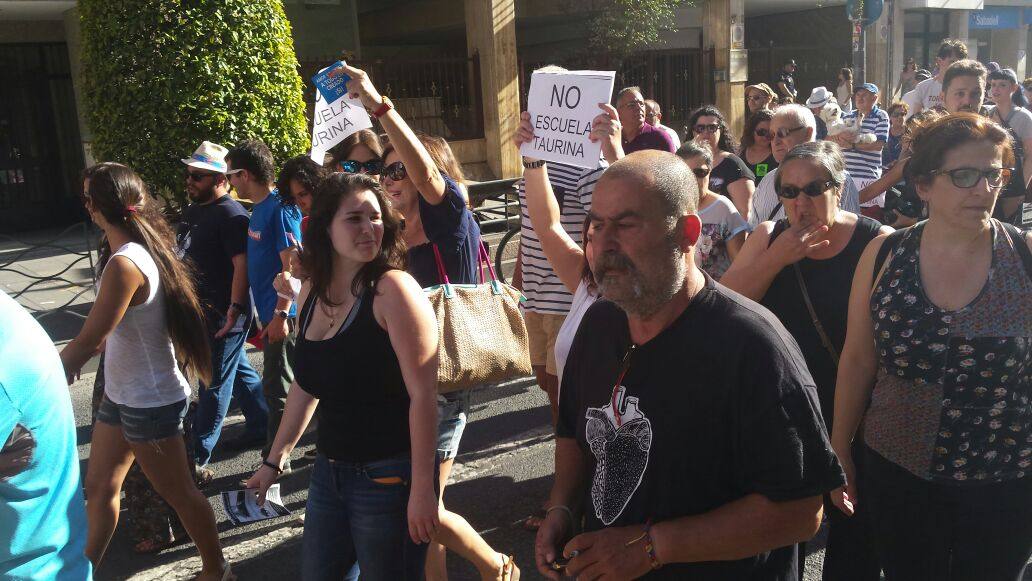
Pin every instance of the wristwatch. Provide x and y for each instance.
(385, 106)
(282, 314)
(532, 164)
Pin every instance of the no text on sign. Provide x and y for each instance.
(561, 107)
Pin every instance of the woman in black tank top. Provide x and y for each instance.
(366, 364)
(801, 268)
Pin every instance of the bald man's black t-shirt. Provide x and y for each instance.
(718, 406)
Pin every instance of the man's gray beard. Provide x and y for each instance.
(647, 299)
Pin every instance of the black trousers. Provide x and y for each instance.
(945, 532)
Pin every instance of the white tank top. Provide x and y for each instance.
(140, 368)
(582, 299)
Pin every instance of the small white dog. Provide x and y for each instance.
(831, 114)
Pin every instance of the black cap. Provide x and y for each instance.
(1004, 75)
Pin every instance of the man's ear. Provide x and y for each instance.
(692, 225)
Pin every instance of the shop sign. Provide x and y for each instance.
(995, 17)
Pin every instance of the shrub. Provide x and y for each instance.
(160, 76)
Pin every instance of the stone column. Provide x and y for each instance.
(959, 29)
(491, 32)
(718, 19)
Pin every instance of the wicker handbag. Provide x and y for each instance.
(483, 339)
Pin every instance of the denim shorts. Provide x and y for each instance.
(452, 409)
(144, 424)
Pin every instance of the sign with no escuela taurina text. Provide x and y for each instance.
(334, 119)
(561, 107)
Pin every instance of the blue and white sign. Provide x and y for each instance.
(337, 117)
(331, 81)
(995, 17)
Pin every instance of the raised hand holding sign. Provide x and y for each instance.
(337, 114)
(562, 106)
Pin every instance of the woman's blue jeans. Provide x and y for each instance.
(357, 517)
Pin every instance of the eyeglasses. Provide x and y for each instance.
(812, 189)
(967, 177)
(701, 172)
(783, 133)
(762, 132)
(371, 167)
(197, 176)
(396, 171)
(711, 128)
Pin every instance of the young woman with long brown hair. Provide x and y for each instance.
(148, 320)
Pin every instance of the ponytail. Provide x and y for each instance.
(122, 198)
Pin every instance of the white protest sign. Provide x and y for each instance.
(561, 107)
(334, 121)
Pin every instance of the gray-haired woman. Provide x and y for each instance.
(801, 268)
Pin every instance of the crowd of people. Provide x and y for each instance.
(824, 319)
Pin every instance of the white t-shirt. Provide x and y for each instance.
(140, 367)
(1020, 122)
(929, 93)
(582, 299)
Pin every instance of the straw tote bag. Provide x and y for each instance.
(483, 339)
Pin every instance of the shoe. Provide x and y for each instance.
(203, 476)
(244, 442)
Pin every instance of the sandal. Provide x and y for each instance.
(150, 546)
(510, 572)
(533, 522)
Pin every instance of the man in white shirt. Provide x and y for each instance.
(654, 116)
(792, 124)
(928, 93)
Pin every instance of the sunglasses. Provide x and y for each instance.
(967, 177)
(197, 176)
(783, 133)
(813, 189)
(396, 171)
(711, 128)
(701, 172)
(763, 132)
(371, 167)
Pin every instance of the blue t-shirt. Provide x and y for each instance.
(451, 226)
(42, 513)
(266, 238)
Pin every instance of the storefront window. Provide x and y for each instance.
(923, 31)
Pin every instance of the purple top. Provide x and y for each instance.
(649, 138)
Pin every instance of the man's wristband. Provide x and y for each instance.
(532, 164)
(273, 466)
(563, 508)
(650, 546)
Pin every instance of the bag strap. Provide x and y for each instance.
(1017, 238)
(825, 340)
(890, 244)
(774, 212)
(442, 273)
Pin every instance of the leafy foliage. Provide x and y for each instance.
(160, 76)
(623, 27)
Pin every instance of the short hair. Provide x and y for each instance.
(824, 154)
(963, 68)
(255, 157)
(623, 91)
(660, 174)
(305, 170)
(749, 132)
(931, 144)
(651, 103)
(899, 105)
(952, 47)
(692, 149)
(800, 113)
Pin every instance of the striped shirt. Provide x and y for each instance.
(765, 199)
(573, 187)
(866, 165)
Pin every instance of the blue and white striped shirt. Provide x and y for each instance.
(866, 165)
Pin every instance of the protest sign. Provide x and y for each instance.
(242, 505)
(335, 120)
(561, 107)
(332, 81)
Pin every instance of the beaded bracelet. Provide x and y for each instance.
(650, 547)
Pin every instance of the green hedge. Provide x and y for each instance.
(160, 76)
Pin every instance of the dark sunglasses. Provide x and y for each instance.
(701, 172)
(711, 128)
(371, 167)
(783, 133)
(196, 176)
(967, 177)
(763, 132)
(812, 189)
(396, 171)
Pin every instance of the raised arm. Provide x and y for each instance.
(565, 256)
(404, 312)
(418, 163)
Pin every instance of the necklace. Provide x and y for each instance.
(625, 365)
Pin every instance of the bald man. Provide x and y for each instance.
(647, 399)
